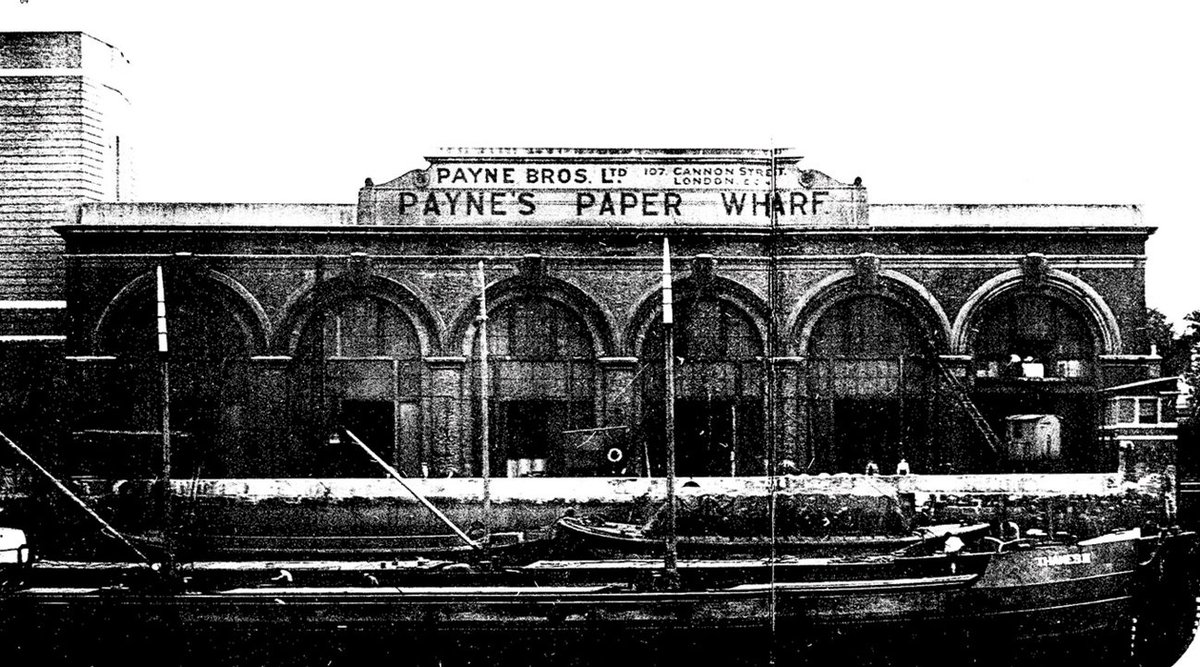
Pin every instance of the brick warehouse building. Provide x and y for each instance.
(287, 321)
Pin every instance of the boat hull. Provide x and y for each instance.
(1011, 604)
(887, 628)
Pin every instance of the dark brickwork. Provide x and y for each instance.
(274, 265)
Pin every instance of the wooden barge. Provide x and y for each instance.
(980, 595)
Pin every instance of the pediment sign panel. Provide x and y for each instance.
(614, 188)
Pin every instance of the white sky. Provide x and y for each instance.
(937, 102)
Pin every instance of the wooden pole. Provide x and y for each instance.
(671, 557)
(485, 455)
(769, 407)
(32, 463)
(165, 401)
(395, 474)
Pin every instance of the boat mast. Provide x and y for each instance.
(485, 455)
(772, 431)
(668, 320)
(79, 502)
(395, 474)
(164, 366)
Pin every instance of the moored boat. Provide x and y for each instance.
(599, 536)
(783, 588)
(1025, 590)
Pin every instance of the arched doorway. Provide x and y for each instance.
(1035, 354)
(1036, 335)
(357, 367)
(869, 387)
(719, 427)
(541, 385)
(208, 345)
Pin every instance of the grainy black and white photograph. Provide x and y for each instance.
(618, 334)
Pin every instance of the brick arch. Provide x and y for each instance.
(1096, 312)
(328, 293)
(892, 285)
(247, 312)
(513, 289)
(687, 287)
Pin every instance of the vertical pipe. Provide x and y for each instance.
(397, 443)
(710, 436)
(733, 437)
(901, 424)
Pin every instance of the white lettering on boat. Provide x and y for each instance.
(1064, 559)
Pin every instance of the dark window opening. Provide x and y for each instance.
(1035, 354)
(866, 391)
(719, 428)
(358, 367)
(717, 437)
(533, 437)
(373, 422)
(542, 375)
(119, 404)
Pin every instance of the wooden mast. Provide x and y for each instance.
(485, 455)
(62, 488)
(770, 409)
(668, 320)
(165, 402)
(395, 474)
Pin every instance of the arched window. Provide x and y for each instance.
(718, 390)
(715, 331)
(868, 387)
(358, 367)
(1033, 335)
(1035, 355)
(866, 327)
(538, 330)
(541, 387)
(208, 345)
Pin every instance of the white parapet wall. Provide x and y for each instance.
(623, 489)
(862, 504)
